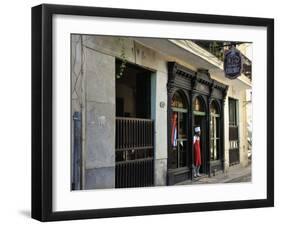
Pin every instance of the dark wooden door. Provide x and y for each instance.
(234, 156)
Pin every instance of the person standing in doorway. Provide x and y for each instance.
(197, 152)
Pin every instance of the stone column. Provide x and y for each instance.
(100, 120)
(77, 106)
(243, 142)
(222, 128)
(159, 115)
(226, 133)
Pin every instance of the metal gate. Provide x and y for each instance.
(134, 152)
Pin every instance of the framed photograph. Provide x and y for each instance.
(145, 112)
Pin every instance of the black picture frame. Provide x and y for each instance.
(42, 107)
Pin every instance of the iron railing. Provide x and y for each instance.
(134, 152)
(135, 173)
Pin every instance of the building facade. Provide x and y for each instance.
(129, 95)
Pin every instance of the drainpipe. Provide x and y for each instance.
(83, 121)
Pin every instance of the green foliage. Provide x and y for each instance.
(123, 59)
(216, 49)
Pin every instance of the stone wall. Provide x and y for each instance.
(99, 54)
(100, 128)
(160, 118)
(77, 98)
(240, 96)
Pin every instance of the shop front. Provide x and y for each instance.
(194, 100)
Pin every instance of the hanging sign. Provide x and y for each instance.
(232, 63)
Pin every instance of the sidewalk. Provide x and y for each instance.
(233, 175)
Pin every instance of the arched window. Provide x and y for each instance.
(198, 105)
(178, 101)
(177, 155)
(214, 108)
(214, 131)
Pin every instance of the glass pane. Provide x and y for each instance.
(173, 158)
(215, 150)
(212, 127)
(212, 149)
(214, 108)
(217, 127)
(182, 125)
(198, 105)
(182, 153)
(174, 126)
(178, 101)
(216, 157)
(177, 155)
(232, 112)
(214, 136)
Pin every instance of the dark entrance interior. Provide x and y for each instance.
(200, 120)
(199, 114)
(133, 92)
(134, 145)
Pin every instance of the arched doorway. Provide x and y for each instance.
(216, 137)
(215, 133)
(177, 156)
(199, 119)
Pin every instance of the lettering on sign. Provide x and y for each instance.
(232, 63)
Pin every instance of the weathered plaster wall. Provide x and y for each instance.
(239, 95)
(77, 97)
(243, 129)
(160, 119)
(100, 127)
(100, 53)
(226, 133)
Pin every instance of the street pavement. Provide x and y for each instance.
(234, 174)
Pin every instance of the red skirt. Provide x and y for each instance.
(197, 153)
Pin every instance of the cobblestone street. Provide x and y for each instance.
(233, 175)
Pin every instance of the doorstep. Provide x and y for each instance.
(234, 175)
(195, 180)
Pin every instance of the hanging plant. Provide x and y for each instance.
(123, 60)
